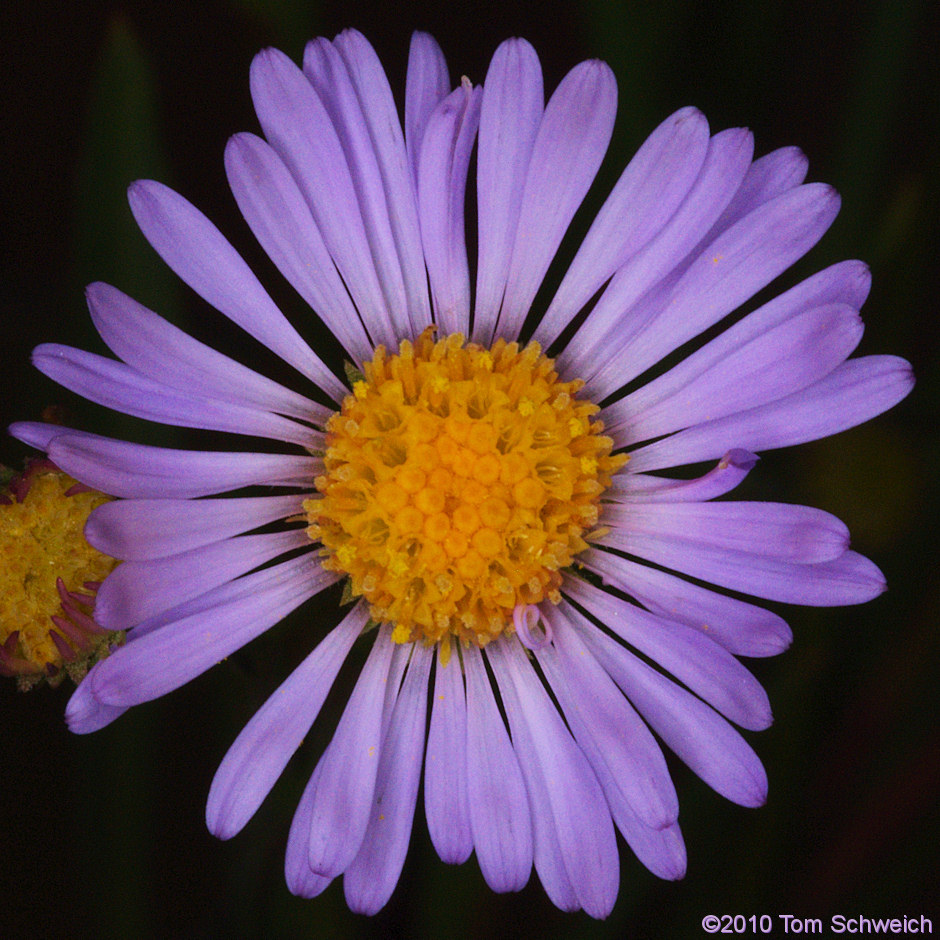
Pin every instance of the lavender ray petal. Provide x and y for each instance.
(344, 781)
(40, 435)
(578, 862)
(704, 666)
(845, 284)
(661, 261)
(770, 530)
(620, 748)
(848, 579)
(371, 878)
(231, 616)
(500, 819)
(298, 127)
(442, 179)
(853, 393)
(790, 357)
(199, 254)
(280, 218)
(446, 803)
(326, 71)
(138, 590)
(156, 348)
(426, 85)
(571, 142)
(510, 114)
(699, 736)
(84, 713)
(733, 467)
(767, 177)
(138, 470)
(261, 751)
(146, 529)
(301, 879)
(727, 272)
(741, 628)
(381, 115)
(121, 388)
(646, 196)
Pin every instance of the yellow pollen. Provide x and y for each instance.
(459, 482)
(41, 540)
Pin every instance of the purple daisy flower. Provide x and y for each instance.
(508, 546)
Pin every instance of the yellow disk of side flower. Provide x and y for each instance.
(459, 482)
(41, 540)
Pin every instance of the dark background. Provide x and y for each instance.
(104, 836)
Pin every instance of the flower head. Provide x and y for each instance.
(488, 483)
(49, 578)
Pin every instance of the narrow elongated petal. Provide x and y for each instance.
(442, 178)
(144, 529)
(84, 713)
(771, 530)
(726, 163)
(327, 72)
(722, 478)
(300, 877)
(446, 804)
(767, 177)
(156, 348)
(845, 285)
(567, 152)
(138, 590)
(230, 617)
(40, 435)
(510, 115)
(371, 878)
(853, 393)
(575, 848)
(500, 819)
(741, 628)
(730, 270)
(198, 253)
(847, 579)
(699, 736)
(645, 197)
(426, 85)
(280, 218)
(705, 667)
(138, 470)
(620, 747)
(265, 745)
(381, 117)
(344, 781)
(121, 388)
(792, 356)
(298, 127)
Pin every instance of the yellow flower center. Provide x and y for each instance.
(41, 541)
(459, 482)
